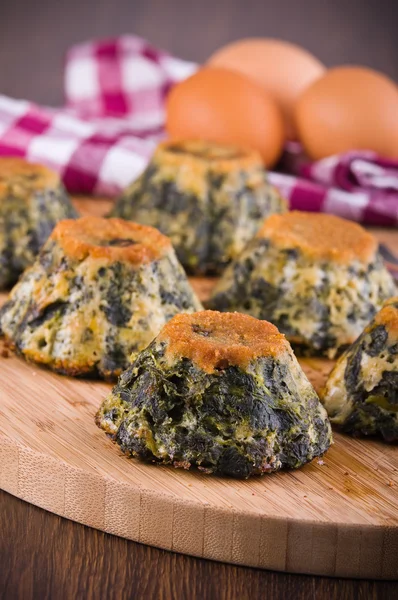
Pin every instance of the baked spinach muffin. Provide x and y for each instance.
(100, 290)
(32, 201)
(317, 277)
(209, 199)
(361, 394)
(222, 392)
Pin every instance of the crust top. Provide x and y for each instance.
(19, 177)
(201, 154)
(388, 316)
(114, 240)
(320, 236)
(214, 340)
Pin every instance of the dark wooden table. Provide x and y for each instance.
(44, 556)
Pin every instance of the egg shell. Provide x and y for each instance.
(224, 106)
(281, 68)
(349, 108)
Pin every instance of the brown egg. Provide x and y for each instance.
(224, 106)
(281, 68)
(349, 108)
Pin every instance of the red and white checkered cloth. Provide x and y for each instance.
(114, 117)
(357, 185)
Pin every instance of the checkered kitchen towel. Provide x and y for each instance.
(114, 116)
(357, 185)
(113, 119)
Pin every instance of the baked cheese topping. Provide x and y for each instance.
(32, 201)
(111, 240)
(19, 177)
(361, 393)
(388, 316)
(214, 340)
(320, 237)
(320, 305)
(221, 392)
(89, 316)
(210, 199)
(199, 155)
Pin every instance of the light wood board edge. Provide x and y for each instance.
(167, 522)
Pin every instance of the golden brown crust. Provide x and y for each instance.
(388, 316)
(320, 236)
(19, 177)
(392, 300)
(114, 240)
(214, 340)
(67, 366)
(200, 155)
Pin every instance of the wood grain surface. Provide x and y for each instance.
(43, 556)
(337, 516)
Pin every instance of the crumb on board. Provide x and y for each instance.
(390, 483)
(5, 349)
(320, 462)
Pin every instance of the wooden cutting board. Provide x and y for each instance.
(336, 516)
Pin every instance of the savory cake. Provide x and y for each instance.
(220, 391)
(361, 394)
(209, 199)
(32, 201)
(318, 277)
(99, 290)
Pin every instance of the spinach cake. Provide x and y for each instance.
(361, 394)
(32, 201)
(99, 290)
(209, 199)
(317, 277)
(219, 391)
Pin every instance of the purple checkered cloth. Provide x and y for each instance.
(357, 185)
(114, 117)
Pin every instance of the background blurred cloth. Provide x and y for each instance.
(114, 117)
